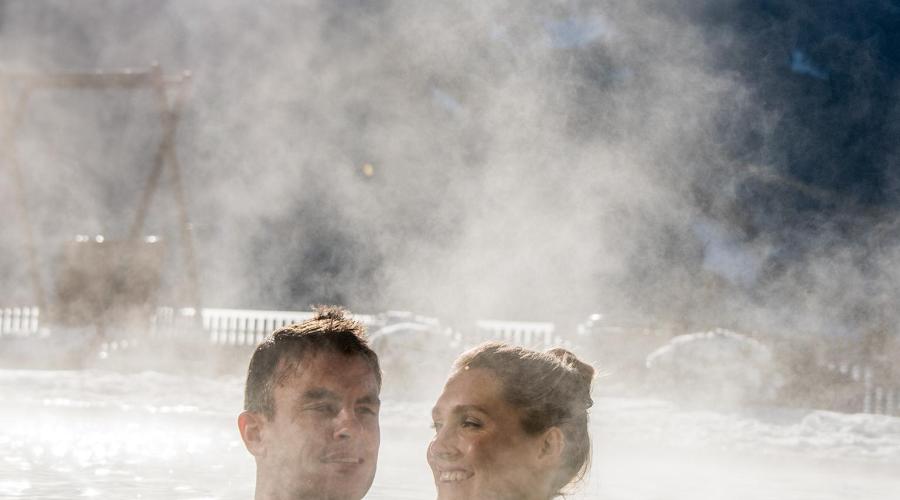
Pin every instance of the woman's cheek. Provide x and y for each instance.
(480, 448)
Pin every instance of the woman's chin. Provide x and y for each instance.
(458, 490)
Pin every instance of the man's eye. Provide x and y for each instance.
(436, 426)
(323, 408)
(367, 410)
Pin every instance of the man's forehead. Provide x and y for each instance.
(320, 364)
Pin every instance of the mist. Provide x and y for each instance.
(618, 172)
(533, 161)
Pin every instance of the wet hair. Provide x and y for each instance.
(276, 357)
(550, 388)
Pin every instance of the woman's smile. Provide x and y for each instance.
(455, 475)
(479, 450)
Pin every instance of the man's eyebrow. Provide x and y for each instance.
(369, 399)
(318, 393)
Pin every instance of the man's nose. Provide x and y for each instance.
(346, 424)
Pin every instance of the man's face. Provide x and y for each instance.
(323, 440)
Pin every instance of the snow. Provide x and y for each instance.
(763, 431)
(719, 368)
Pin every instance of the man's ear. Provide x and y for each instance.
(251, 425)
(552, 444)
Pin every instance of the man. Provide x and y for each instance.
(311, 408)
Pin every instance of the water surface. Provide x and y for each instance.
(84, 434)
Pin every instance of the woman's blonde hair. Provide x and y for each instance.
(550, 388)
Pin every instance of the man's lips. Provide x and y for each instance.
(343, 459)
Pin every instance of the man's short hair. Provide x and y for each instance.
(276, 357)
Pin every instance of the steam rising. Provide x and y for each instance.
(523, 160)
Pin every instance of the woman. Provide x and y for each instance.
(511, 423)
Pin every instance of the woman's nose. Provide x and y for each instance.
(443, 446)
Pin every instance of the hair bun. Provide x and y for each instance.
(583, 371)
(570, 360)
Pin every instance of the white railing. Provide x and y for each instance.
(245, 327)
(232, 327)
(19, 320)
(533, 335)
(875, 391)
(242, 327)
(879, 396)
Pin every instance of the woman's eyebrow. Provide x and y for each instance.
(468, 408)
(460, 409)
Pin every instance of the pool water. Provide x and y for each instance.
(84, 434)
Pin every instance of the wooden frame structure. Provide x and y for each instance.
(170, 92)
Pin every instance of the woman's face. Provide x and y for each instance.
(479, 450)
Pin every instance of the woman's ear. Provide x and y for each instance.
(553, 442)
(250, 424)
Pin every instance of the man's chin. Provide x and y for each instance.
(347, 493)
(345, 483)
